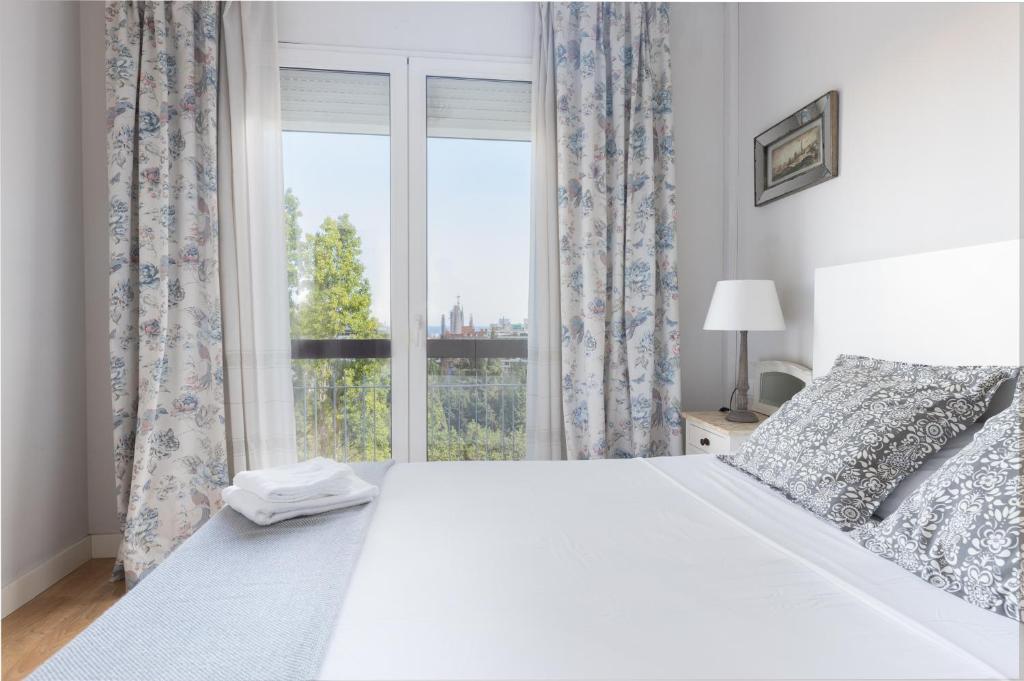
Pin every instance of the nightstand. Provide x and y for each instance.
(707, 432)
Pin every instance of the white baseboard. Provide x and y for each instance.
(42, 577)
(105, 545)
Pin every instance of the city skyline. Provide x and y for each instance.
(456, 325)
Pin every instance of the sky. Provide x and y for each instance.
(478, 215)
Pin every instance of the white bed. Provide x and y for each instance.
(680, 568)
(675, 568)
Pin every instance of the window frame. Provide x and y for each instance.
(421, 68)
(407, 73)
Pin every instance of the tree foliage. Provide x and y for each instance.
(343, 406)
(293, 244)
(339, 304)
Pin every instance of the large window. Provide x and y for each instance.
(407, 223)
(478, 238)
(336, 153)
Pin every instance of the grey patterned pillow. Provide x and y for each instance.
(961, 529)
(844, 442)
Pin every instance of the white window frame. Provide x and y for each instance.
(407, 75)
(420, 68)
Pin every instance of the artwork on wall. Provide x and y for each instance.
(798, 152)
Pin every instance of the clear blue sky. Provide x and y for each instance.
(478, 215)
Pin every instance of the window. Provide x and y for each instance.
(407, 200)
(336, 154)
(478, 239)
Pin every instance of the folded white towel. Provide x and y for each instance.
(263, 512)
(298, 481)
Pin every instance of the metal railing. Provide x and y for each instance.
(342, 408)
(476, 398)
(476, 410)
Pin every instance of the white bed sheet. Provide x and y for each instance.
(629, 569)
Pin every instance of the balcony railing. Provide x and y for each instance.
(476, 398)
(338, 416)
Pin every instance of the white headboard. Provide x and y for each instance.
(960, 306)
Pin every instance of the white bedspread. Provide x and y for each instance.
(670, 568)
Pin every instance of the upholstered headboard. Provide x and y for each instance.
(959, 306)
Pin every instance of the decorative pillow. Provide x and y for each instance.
(961, 529)
(926, 470)
(844, 442)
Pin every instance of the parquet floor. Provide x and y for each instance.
(38, 629)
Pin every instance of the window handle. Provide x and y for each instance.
(419, 330)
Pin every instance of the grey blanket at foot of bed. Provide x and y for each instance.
(235, 601)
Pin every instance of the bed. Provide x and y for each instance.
(621, 569)
(625, 569)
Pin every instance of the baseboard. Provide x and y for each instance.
(40, 578)
(105, 545)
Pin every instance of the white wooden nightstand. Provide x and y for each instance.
(707, 432)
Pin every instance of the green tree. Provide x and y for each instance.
(343, 406)
(339, 303)
(293, 250)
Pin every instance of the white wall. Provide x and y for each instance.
(98, 414)
(698, 85)
(44, 492)
(929, 139)
(502, 29)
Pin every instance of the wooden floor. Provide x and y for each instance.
(38, 629)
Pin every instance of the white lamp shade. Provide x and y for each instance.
(745, 305)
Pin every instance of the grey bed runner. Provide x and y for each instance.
(236, 601)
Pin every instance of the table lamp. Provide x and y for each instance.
(744, 305)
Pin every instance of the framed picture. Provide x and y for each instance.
(798, 152)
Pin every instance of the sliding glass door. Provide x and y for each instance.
(407, 221)
(478, 239)
(336, 149)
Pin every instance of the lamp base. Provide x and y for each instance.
(741, 416)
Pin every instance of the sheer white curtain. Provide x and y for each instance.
(544, 432)
(254, 278)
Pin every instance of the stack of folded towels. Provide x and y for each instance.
(309, 487)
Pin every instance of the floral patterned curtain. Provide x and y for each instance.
(616, 217)
(166, 373)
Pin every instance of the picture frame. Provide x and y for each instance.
(798, 152)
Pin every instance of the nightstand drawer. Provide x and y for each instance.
(711, 432)
(699, 440)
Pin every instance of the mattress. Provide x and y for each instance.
(625, 569)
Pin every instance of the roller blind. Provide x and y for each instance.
(478, 109)
(359, 103)
(335, 101)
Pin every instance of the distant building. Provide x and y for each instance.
(456, 317)
(506, 329)
(457, 326)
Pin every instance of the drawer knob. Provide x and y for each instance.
(705, 442)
